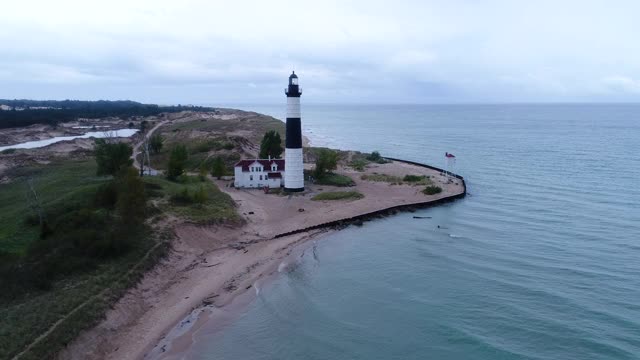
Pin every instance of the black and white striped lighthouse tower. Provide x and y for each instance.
(294, 170)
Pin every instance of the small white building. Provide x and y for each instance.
(259, 173)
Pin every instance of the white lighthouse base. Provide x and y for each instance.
(294, 170)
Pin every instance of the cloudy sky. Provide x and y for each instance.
(225, 52)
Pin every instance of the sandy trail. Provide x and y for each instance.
(138, 145)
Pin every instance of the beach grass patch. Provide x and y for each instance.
(338, 195)
(432, 190)
(394, 180)
(193, 199)
(417, 179)
(334, 179)
(359, 164)
(376, 158)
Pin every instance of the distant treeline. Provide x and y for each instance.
(51, 112)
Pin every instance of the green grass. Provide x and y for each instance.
(432, 190)
(217, 206)
(334, 179)
(23, 320)
(62, 187)
(338, 195)
(417, 179)
(382, 178)
(59, 185)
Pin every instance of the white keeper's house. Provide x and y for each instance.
(259, 173)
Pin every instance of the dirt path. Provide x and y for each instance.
(137, 151)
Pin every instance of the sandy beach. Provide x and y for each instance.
(209, 266)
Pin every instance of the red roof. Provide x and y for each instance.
(264, 162)
(275, 175)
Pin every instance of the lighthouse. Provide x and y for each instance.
(294, 171)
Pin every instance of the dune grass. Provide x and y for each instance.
(59, 185)
(193, 199)
(417, 179)
(382, 178)
(334, 179)
(338, 195)
(63, 187)
(432, 190)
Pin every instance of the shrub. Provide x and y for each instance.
(106, 196)
(177, 161)
(335, 180)
(358, 164)
(218, 167)
(7, 151)
(200, 196)
(377, 158)
(112, 157)
(182, 198)
(326, 161)
(338, 195)
(413, 178)
(155, 143)
(432, 190)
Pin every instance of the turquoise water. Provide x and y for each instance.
(541, 261)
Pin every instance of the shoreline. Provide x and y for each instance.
(179, 339)
(211, 267)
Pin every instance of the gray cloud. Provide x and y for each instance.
(359, 51)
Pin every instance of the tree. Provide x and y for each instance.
(131, 197)
(374, 156)
(271, 145)
(177, 161)
(218, 169)
(326, 161)
(202, 175)
(155, 143)
(112, 157)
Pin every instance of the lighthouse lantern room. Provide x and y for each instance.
(294, 174)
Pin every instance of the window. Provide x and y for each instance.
(250, 177)
(260, 177)
(266, 177)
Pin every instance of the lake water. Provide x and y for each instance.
(541, 261)
(92, 134)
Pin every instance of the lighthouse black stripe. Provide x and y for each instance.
(294, 134)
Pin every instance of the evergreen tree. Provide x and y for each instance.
(218, 169)
(112, 157)
(271, 145)
(177, 161)
(155, 143)
(131, 197)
